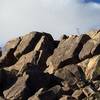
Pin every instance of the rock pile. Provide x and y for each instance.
(37, 67)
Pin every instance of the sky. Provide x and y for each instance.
(18, 17)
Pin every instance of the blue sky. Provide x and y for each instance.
(18, 17)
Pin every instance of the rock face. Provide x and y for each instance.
(37, 67)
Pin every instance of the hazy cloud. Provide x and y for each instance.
(18, 17)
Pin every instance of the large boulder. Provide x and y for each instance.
(66, 52)
(27, 43)
(90, 48)
(19, 91)
(8, 58)
(64, 74)
(95, 35)
(93, 68)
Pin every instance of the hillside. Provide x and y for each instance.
(37, 67)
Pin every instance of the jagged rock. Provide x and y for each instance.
(27, 43)
(64, 74)
(83, 64)
(74, 69)
(66, 52)
(95, 35)
(86, 50)
(7, 59)
(11, 44)
(37, 67)
(66, 97)
(89, 49)
(88, 91)
(78, 95)
(93, 68)
(19, 91)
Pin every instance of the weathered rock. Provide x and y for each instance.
(78, 95)
(83, 64)
(93, 68)
(64, 74)
(88, 91)
(95, 35)
(7, 58)
(11, 44)
(86, 50)
(30, 57)
(66, 52)
(45, 46)
(27, 43)
(74, 69)
(19, 91)
(89, 49)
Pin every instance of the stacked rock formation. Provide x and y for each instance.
(37, 67)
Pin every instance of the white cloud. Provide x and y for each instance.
(55, 16)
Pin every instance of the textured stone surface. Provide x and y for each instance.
(37, 67)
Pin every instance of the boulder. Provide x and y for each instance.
(95, 35)
(86, 50)
(66, 52)
(12, 44)
(27, 43)
(30, 57)
(8, 59)
(64, 74)
(90, 48)
(93, 68)
(19, 91)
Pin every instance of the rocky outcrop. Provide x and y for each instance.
(37, 67)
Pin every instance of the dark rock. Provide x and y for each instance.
(67, 97)
(51, 94)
